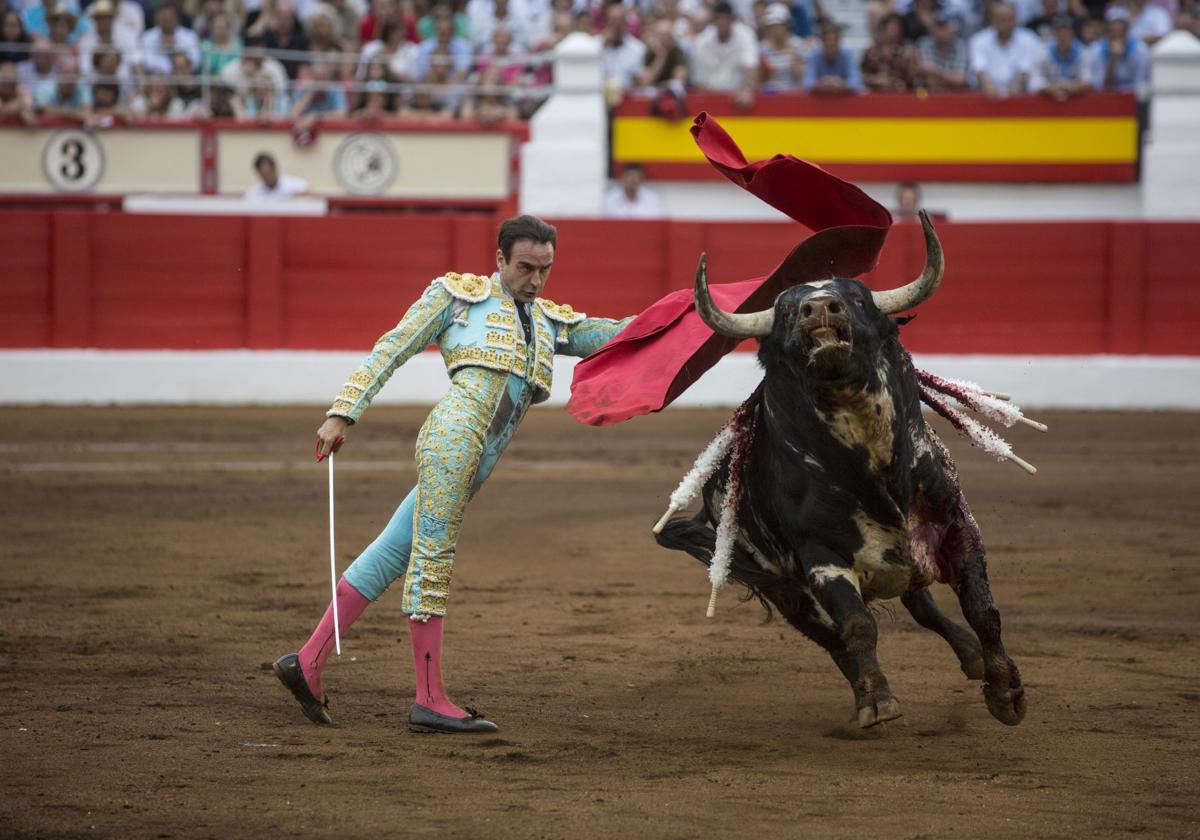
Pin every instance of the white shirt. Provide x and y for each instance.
(121, 40)
(157, 59)
(645, 205)
(623, 63)
(285, 187)
(720, 65)
(1003, 63)
(1151, 22)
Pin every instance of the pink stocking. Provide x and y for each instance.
(314, 653)
(427, 660)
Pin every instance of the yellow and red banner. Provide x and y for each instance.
(890, 137)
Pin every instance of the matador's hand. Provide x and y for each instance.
(331, 436)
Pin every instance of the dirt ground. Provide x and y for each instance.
(156, 560)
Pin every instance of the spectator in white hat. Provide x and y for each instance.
(104, 34)
(782, 52)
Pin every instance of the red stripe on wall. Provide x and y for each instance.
(116, 281)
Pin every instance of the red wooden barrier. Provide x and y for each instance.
(116, 281)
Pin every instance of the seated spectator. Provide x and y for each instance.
(106, 108)
(493, 102)
(831, 69)
(908, 201)
(109, 67)
(187, 83)
(318, 96)
(12, 32)
(370, 27)
(221, 47)
(1064, 70)
(920, 19)
(37, 18)
(160, 101)
(105, 35)
(259, 82)
(630, 199)
(130, 23)
(484, 17)
(437, 96)
(165, 38)
(324, 29)
(452, 51)
(41, 65)
(1148, 22)
(725, 56)
(284, 32)
(501, 56)
(66, 96)
(14, 100)
(223, 103)
(1002, 56)
(889, 64)
(665, 64)
(427, 26)
(1091, 30)
(375, 102)
(782, 52)
(943, 56)
(1042, 24)
(348, 18)
(274, 184)
(64, 28)
(1119, 60)
(623, 56)
(399, 55)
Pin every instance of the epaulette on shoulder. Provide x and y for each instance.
(472, 288)
(560, 312)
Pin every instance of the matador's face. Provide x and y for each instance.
(525, 273)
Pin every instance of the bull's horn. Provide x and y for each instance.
(915, 293)
(732, 324)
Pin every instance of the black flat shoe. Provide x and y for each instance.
(425, 720)
(287, 668)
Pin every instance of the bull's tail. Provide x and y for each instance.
(698, 538)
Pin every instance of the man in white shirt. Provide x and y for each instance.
(260, 83)
(166, 38)
(622, 56)
(629, 199)
(274, 184)
(1003, 55)
(1150, 22)
(725, 55)
(105, 33)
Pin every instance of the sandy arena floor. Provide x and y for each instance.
(155, 561)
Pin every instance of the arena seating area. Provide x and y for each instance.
(488, 60)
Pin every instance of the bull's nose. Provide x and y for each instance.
(821, 306)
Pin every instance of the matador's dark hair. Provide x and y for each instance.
(524, 227)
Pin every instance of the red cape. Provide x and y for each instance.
(668, 347)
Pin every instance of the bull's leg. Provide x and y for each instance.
(921, 606)
(1002, 688)
(835, 588)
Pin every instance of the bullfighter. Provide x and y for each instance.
(498, 339)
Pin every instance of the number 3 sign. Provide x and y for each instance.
(72, 160)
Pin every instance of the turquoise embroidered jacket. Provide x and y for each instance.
(474, 322)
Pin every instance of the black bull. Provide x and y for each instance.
(845, 496)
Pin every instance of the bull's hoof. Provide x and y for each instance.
(973, 667)
(1007, 705)
(873, 714)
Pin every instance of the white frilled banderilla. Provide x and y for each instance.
(738, 432)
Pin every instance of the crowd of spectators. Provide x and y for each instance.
(112, 60)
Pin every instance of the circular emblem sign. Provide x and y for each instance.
(365, 164)
(72, 160)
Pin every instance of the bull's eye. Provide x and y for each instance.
(862, 304)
